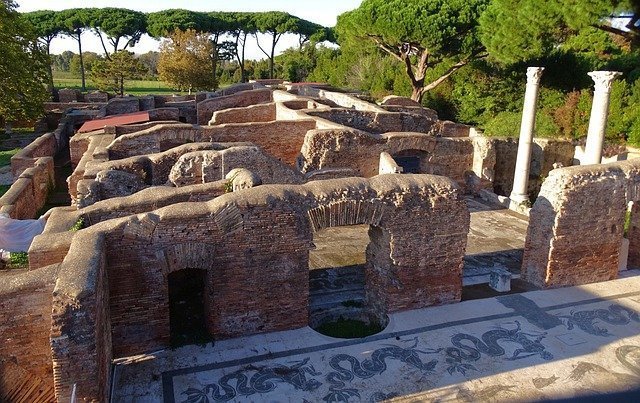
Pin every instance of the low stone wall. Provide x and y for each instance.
(53, 244)
(81, 325)
(377, 122)
(359, 152)
(43, 146)
(126, 129)
(209, 166)
(577, 222)
(26, 372)
(341, 99)
(28, 193)
(544, 153)
(206, 108)
(282, 139)
(253, 113)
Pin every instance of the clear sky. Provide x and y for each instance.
(322, 12)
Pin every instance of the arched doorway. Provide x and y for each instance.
(346, 247)
(186, 307)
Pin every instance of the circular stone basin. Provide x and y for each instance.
(350, 324)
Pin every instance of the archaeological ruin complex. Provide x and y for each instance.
(233, 187)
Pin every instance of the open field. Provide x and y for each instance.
(133, 87)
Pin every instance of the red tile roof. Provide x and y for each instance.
(115, 120)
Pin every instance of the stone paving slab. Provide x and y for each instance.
(531, 346)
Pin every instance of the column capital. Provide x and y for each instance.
(534, 74)
(603, 79)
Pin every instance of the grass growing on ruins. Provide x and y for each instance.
(349, 328)
(5, 156)
(3, 189)
(18, 260)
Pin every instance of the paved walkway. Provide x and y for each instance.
(531, 346)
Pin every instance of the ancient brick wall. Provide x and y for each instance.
(209, 166)
(544, 153)
(282, 139)
(359, 152)
(28, 194)
(25, 322)
(576, 226)
(43, 146)
(253, 113)
(256, 242)
(631, 171)
(81, 326)
(206, 108)
(377, 122)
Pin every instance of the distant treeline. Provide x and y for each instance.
(119, 29)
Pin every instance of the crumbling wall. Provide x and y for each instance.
(359, 152)
(28, 194)
(377, 122)
(206, 108)
(81, 325)
(544, 153)
(576, 225)
(254, 244)
(43, 146)
(209, 166)
(26, 372)
(282, 139)
(252, 113)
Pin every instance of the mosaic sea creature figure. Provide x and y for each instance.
(369, 367)
(586, 320)
(264, 380)
(458, 357)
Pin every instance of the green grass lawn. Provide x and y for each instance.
(5, 156)
(133, 87)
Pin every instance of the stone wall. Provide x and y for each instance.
(577, 222)
(359, 152)
(26, 372)
(43, 146)
(206, 108)
(209, 166)
(81, 326)
(282, 139)
(544, 153)
(28, 194)
(253, 113)
(256, 241)
(340, 99)
(377, 122)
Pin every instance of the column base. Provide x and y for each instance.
(519, 198)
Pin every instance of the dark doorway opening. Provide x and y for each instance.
(338, 304)
(186, 307)
(409, 164)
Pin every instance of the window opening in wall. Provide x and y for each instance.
(338, 305)
(414, 162)
(410, 165)
(186, 307)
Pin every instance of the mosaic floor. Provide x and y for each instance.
(537, 345)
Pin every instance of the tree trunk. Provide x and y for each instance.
(51, 86)
(121, 86)
(271, 59)
(243, 72)
(84, 87)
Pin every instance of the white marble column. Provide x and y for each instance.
(521, 176)
(598, 119)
